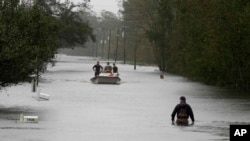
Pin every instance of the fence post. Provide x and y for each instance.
(33, 83)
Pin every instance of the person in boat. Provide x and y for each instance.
(183, 112)
(108, 68)
(97, 68)
(115, 68)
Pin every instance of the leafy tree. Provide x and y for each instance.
(31, 33)
(75, 31)
(27, 41)
(138, 16)
(203, 40)
(210, 42)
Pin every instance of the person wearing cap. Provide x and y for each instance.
(183, 112)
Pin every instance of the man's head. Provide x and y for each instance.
(183, 99)
(107, 63)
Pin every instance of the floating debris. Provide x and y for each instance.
(43, 96)
(28, 119)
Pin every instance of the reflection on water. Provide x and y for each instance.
(217, 128)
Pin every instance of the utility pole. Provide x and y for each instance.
(109, 38)
(135, 53)
(96, 53)
(135, 49)
(117, 38)
(124, 45)
(102, 42)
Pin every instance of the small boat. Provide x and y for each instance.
(106, 78)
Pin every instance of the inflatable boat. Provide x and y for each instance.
(106, 78)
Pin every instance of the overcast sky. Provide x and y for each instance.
(99, 5)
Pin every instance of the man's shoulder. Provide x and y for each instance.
(178, 105)
(183, 105)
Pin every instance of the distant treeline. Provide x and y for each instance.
(205, 40)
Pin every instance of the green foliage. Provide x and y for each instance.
(31, 33)
(206, 40)
(211, 42)
(74, 31)
(138, 16)
(28, 38)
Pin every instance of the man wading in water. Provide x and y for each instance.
(183, 111)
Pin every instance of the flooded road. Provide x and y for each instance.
(138, 109)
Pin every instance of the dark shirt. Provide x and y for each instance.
(115, 69)
(97, 69)
(177, 109)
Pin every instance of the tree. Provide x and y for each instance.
(32, 31)
(203, 40)
(209, 42)
(28, 39)
(138, 16)
(75, 31)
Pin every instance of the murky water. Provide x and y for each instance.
(216, 108)
(138, 109)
